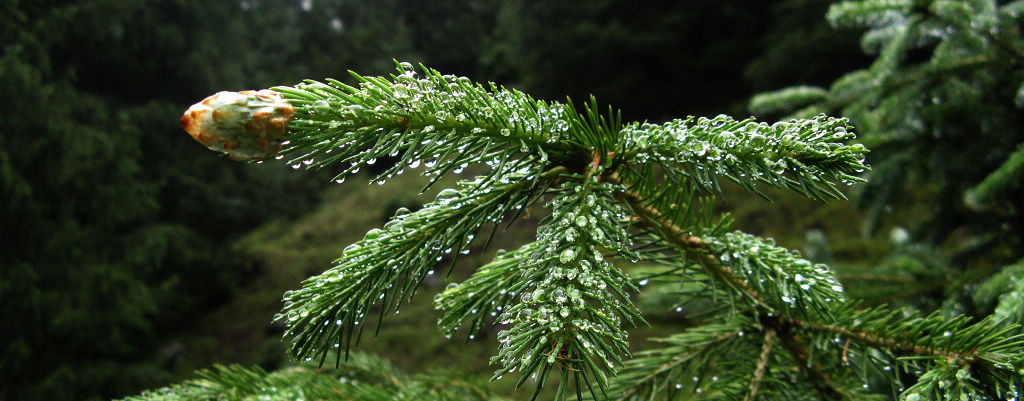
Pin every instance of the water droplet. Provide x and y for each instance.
(351, 249)
(447, 193)
(373, 234)
(567, 256)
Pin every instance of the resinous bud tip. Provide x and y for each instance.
(246, 125)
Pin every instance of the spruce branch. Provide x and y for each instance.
(1004, 293)
(771, 277)
(796, 345)
(693, 246)
(965, 32)
(806, 156)
(930, 337)
(485, 293)
(389, 264)
(694, 353)
(868, 12)
(762, 365)
(765, 277)
(573, 300)
(1007, 177)
(441, 121)
(901, 335)
(615, 190)
(362, 377)
(793, 98)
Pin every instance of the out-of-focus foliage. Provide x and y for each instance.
(362, 377)
(114, 234)
(655, 61)
(938, 107)
(799, 47)
(941, 109)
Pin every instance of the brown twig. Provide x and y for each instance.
(875, 340)
(795, 345)
(762, 365)
(697, 248)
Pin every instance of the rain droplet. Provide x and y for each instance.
(351, 249)
(567, 256)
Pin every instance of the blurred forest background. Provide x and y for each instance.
(132, 256)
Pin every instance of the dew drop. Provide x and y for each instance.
(567, 256)
(351, 249)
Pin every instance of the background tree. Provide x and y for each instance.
(108, 248)
(941, 109)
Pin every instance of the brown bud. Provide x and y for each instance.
(246, 125)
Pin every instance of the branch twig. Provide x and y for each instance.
(762, 365)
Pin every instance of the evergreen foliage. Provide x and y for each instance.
(940, 107)
(362, 377)
(109, 247)
(118, 238)
(775, 325)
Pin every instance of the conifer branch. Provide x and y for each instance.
(898, 26)
(441, 121)
(363, 378)
(1007, 177)
(563, 301)
(573, 299)
(693, 353)
(795, 345)
(704, 251)
(762, 364)
(948, 339)
(696, 248)
(789, 328)
(388, 265)
(768, 276)
(805, 156)
(485, 293)
(965, 17)
(1005, 291)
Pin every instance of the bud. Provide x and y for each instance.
(246, 125)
